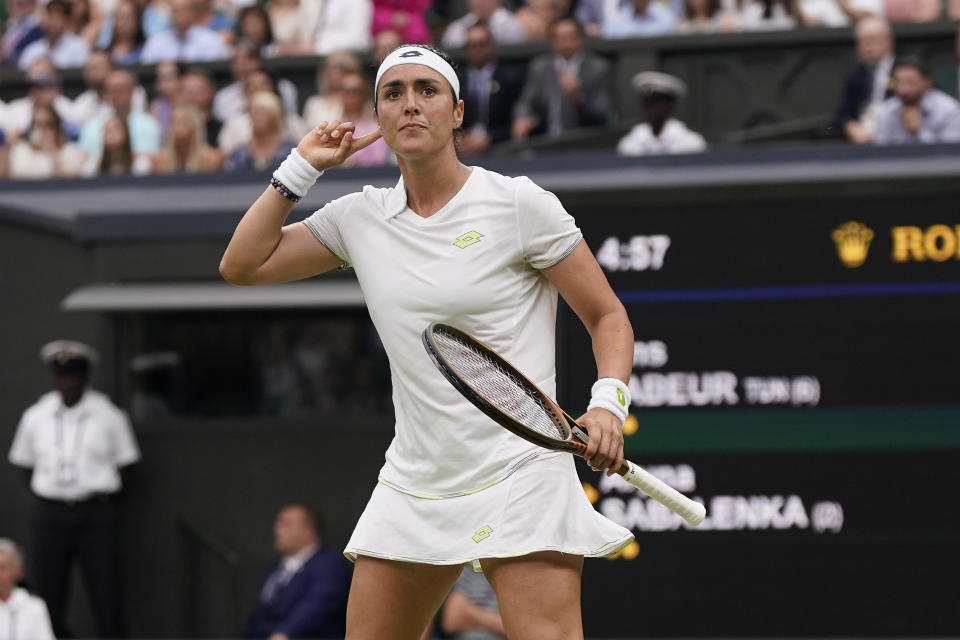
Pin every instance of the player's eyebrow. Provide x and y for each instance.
(394, 84)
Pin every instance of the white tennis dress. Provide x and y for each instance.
(456, 486)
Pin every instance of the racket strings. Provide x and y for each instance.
(501, 387)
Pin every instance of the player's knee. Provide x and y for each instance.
(544, 627)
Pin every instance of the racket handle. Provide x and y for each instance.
(692, 512)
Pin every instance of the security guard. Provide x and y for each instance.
(73, 443)
(661, 133)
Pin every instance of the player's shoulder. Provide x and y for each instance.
(372, 196)
(352, 205)
(492, 181)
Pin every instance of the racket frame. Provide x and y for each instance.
(560, 417)
(577, 438)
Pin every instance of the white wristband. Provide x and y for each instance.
(613, 395)
(296, 174)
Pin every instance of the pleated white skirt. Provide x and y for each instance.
(540, 507)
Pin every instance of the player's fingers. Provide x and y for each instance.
(365, 141)
(338, 132)
(343, 151)
(327, 130)
(612, 443)
(320, 127)
(618, 455)
(591, 450)
(598, 436)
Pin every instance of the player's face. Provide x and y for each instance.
(416, 112)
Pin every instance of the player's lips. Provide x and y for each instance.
(411, 125)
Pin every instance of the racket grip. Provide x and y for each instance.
(691, 511)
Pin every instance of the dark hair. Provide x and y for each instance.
(264, 16)
(713, 7)
(914, 62)
(313, 517)
(248, 47)
(125, 153)
(446, 57)
(139, 37)
(576, 23)
(57, 121)
(481, 25)
(199, 71)
(274, 82)
(60, 6)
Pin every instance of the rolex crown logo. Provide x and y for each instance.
(853, 243)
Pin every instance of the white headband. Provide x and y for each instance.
(419, 55)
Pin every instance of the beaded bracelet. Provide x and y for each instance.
(283, 190)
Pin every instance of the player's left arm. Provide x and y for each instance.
(583, 286)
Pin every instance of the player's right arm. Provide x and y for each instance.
(263, 250)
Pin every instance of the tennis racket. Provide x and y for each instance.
(495, 387)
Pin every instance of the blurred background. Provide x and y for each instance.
(773, 198)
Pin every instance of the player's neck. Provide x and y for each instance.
(432, 182)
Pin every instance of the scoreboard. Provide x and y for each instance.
(796, 368)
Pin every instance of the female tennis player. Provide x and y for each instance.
(486, 254)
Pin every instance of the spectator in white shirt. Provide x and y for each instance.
(21, 615)
(335, 25)
(246, 59)
(838, 13)
(326, 105)
(65, 49)
(44, 88)
(185, 41)
(917, 113)
(504, 26)
(239, 129)
(92, 104)
(45, 152)
(661, 133)
(143, 128)
(72, 444)
(639, 18)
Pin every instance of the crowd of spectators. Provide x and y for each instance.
(184, 124)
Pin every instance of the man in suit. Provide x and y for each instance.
(566, 89)
(305, 594)
(867, 86)
(491, 90)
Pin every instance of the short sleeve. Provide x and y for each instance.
(22, 451)
(125, 449)
(548, 234)
(325, 226)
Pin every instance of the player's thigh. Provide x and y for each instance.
(396, 600)
(538, 595)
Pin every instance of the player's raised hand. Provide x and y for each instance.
(330, 143)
